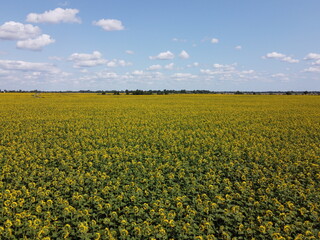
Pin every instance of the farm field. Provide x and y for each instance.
(88, 166)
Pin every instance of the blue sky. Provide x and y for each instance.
(124, 44)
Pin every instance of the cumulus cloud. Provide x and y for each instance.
(281, 57)
(223, 69)
(35, 44)
(169, 66)
(238, 47)
(214, 40)
(154, 67)
(57, 15)
(87, 60)
(312, 56)
(109, 24)
(248, 72)
(316, 62)
(195, 64)
(163, 56)
(312, 69)
(228, 72)
(226, 67)
(275, 55)
(183, 76)
(18, 31)
(28, 66)
(137, 72)
(184, 55)
(178, 40)
(118, 63)
(290, 60)
(281, 76)
(130, 52)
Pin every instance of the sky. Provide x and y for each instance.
(217, 45)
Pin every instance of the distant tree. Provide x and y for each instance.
(137, 92)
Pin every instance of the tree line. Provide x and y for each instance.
(166, 92)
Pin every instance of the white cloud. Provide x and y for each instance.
(281, 76)
(312, 69)
(169, 66)
(195, 64)
(107, 75)
(228, 72)
(84, 70)
(109, 24)
(118, 63)
(183, 76)
(209, 71)
(316, 62)
(248, 72)
(87, 60)
(214, 40)
(112, 64)
(238, 47)
(178, 40)
(281, 57)
(217, 65)
(57, 15)
(276, 75)
(184, 55)
(312, 56)
(28, 66)
(18, 31)
(154, 67)
(275, 55)
(35, 44)
(137, 72)
(290, 60)
(130, 52)
(163, 56)
(227, 67)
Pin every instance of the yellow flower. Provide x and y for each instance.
(137, 231)
(83, 227)
(97, 236)
(38, 209)
(287, 229)
(262, 229)
(135, 209)
(8, 223)
(49, 203)
(17, 222)
(124, 232)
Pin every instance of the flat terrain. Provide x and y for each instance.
(164, 167)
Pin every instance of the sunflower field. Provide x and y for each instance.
(89, 166)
